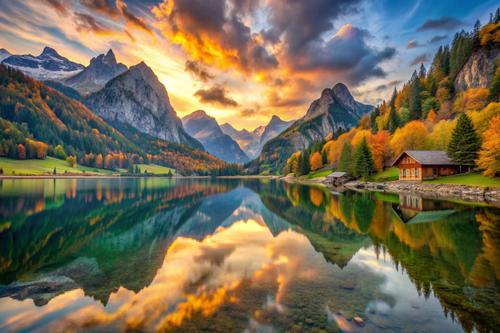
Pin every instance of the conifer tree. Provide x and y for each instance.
(393, 121)
(345, 160)
(414, 98)
(373, 119)
(363, 161)
(304, 163)
(465, 143)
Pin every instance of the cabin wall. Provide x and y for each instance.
(409, 169)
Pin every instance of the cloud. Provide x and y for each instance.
(412, 44)
(437, 38)
(347, 53)
(215, 32)
(86, 22)
(102, 7)
(195, 68)
(117, 10)
(248, 112)
(420, 59)
(59, 5)
(216, 95)
(443, 23)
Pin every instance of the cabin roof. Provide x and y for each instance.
(337, 174)
(426, 157)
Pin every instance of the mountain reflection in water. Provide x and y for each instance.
(241, 256)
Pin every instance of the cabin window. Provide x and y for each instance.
(416, 172)
(411, 172)
(404, 173)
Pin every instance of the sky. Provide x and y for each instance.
(243, 61)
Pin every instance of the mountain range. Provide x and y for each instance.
(206, 130)
(252, 141)
(335, 110)
(48, 65)
(135, 103)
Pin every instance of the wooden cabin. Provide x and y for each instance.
(338, 178)
(424, 164)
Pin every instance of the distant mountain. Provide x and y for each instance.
(4, 54)
(206, 130)
(335, 109)
(274, 128)
(102, 69)
(137, 98)
(49, 65)
(252, 142)
(35, 111)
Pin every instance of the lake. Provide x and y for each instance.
(154, 254)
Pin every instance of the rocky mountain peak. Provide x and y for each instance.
(48, 51)
(110, 58)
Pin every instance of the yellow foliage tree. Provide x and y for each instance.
(471, 100)
(440, 136)
(411, 137)
(359, 136)
(482, 119)
(489, 155)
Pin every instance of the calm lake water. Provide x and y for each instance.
(140, 255)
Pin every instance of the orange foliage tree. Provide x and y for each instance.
(21, 152)
(489, 155)
(410, 137)
(381, 149)
(315, 161)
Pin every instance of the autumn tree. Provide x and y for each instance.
(59, 152)
(316, 162)
(381, 149)
(489, 156)
(364, 166)
(98, 161)
(410, 137)
(21, 152)
(71, 161)
(474, 99)
(465, 142)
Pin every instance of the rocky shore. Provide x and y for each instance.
(488, 195)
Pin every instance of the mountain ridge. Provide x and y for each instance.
(206, 129)
(137, 98)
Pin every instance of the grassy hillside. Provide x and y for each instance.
(155, 169)
(43, 167)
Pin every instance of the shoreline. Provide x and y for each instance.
(488, 195)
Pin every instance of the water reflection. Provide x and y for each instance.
(241, 256)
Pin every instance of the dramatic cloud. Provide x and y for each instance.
(437, 38)
(412, 44)
(216, 95)
(195, 68)
(59, 6)
(248, 112)
(444, 23)
(117, 10)
(347, 53)
(215, 32)
(420, 59)
(304, 22)
(102, 7)
(87, 23)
